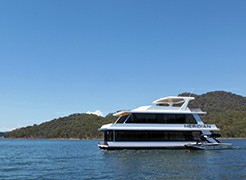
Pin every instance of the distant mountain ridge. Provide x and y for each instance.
(225, 109)
(75, 126)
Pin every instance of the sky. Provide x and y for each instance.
(59, 57)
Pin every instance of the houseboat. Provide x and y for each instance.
(169, 123)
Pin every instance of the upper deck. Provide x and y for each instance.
(168, 105)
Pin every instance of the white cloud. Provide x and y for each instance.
(6, 129)
(97, 112)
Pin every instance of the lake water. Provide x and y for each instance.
(68, 159)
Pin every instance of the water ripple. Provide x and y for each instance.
(44, 159)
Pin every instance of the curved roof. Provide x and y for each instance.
(170, 100)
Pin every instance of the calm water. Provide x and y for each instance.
(54, 159)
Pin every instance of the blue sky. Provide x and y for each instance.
(59, 57)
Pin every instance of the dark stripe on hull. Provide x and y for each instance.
(140, 148)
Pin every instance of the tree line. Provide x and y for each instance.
(225, 109)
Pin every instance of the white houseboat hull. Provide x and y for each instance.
(144, 145)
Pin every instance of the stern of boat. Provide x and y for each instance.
(103, 145)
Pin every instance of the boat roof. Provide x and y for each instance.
(165, 105)
(170, 100)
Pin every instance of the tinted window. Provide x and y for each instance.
(157, 136)
(121, 119)
(161, 118)
(108, 136)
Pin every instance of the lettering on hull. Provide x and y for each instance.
(197, 126)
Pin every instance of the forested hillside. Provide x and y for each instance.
(77, 126)
(225, 109)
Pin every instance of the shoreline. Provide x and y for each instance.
(52, 139)
(77, 139)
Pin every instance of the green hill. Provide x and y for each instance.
(225, 109)
(77, 126)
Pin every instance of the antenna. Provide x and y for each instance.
(191, 92)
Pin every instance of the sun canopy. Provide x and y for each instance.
(173, 100)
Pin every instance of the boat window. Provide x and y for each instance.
(108, 136)
(190, 119)
(121, 119)
(157, 136)
(161, 118)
